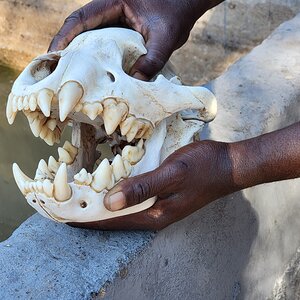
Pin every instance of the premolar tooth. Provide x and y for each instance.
(64, 156)
(44, 100)
(32, 102)
(134, 130)
(43, 171)
(83, 178)
(113, 114)
(119, 169)
(72, 150)
(128, 167)
(126, 124)
(69, 95)
(20, 178)
(51, 124)
(44, 132)
(133, 154)
(48, 188)
(147, 135)
(39, 187)
(62, 190)
(103, 177)
(10, 114)
(92, 110)
(53, 165)
(36, 127)
(31, 116)
(50, 138)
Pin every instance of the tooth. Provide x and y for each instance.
(78, 107)
(51, 124)
(43, 171)
(83, 178)
(26, 103)
(48, 188)
(119, 169)
(32, 102)
(128, 167)
(134, 130)
(62, 190)
(39, 187)
(72, 150)
(15, 103)
(50, 138)
(92, 110)
(20, 178)
(36, 127)
(10, 114)
(57, 135)
(142, 132)
(44, 132)
(147, 135)
(113, 115)
(126, 125)
(44, 100)
(64, 156)
(31, 116)
(53, 165)
(69, 95)
(20, 103)
(133, 154)
(103, 177)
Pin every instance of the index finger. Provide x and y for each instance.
(92, 15)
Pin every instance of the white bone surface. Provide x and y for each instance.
(87, 83)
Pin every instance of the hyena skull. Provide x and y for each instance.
(87, 86)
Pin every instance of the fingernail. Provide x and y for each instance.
(139, 76)
(116, 201)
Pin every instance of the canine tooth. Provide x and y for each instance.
(48, 188)
(43, 171)
(15, 103)
(133, 154)
(62, 190)
(51, 124)
(53, 165)
(126, 124)
(20, 178)
(72, 150)
(69, 95)
(113, 115)
(64, 156)
(92, 110)
(103, 177)
(83, 178)
(32, 102)
(119, 169)
(26, 103)
(20, 103)
(134, 130)
(44, 100)
(10, 114)
(36, 127)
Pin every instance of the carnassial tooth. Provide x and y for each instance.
(92, 110)
(44, 100)
(32, 102)
(118, 167)
(48, 188)
(53, 165)
(126, 124)
(26, 103)
(72, 150)
(83, 177)
(10, 114)
(134, 130)
(51, 124)
(20, 103)
(43, 171)
(133, 154)
(20, 178)
(64, 156)
(69, 95)
(103, 177)
(62, 190)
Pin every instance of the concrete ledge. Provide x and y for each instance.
(234, 248)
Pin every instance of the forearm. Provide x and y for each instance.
(266, 158)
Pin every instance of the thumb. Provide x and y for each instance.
(135, 190)
(159, 49)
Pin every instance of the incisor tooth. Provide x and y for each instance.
(62, 190)
(119, 169)
(32, 102)
(20, 178)
(126, 124)
(69, 95)
(10, 114)
(133, 154)
(92, 110)
(103, 177)
(83, 178)
(48, 188)
(53, 165)
(20, 103)
(64, 156)
(26, 103)
(114, 113)
(44, 100)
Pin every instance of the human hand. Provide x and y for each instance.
(187, 180)
(165, 26)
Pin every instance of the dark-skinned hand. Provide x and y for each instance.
(164, 24)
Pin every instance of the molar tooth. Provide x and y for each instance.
(62, 190)
(126, 124)
(44, 100)
(133, 154)
(64, 156)
(92, 110)
(69, 96)
(83, 178)
(10, 114)
(146, 126)
(48, 188)
(113, 115)
(72, 150)
(20, 103)
(119, 169)
(32, 102)
(103, 177)
(20, 178)
(134, 130)
(26, 103)
(53, 165)
(147, 135)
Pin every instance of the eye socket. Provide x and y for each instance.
(111, 76)
(44, 68)
(83, 204)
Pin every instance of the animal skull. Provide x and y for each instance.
(87, 87)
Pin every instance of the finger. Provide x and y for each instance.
(90, 16)
(160, 45)
(137, 189)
